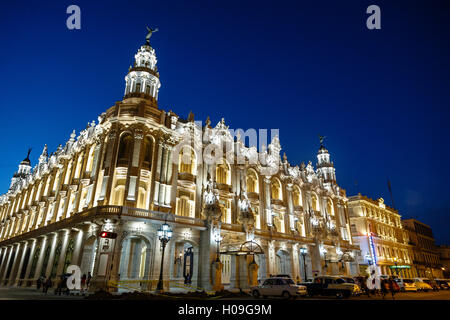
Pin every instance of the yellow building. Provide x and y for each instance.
(378, 230)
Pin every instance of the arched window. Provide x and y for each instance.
(187, 161)
(90, 162)
(119, 193)
(330, 209)
(148, 153)
(297, 196)
(142, 203)
(124, 154)
(276, 190)
(252, 182)
(223, 174)
(78, 167)
(315, 202)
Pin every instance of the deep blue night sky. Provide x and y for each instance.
(306, 67)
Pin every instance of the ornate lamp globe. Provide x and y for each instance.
(303, 251)
(165, 232)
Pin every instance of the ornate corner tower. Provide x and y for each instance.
(142, 80)
(324, 166)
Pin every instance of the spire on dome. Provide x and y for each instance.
(325, 167)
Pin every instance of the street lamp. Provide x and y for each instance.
(396, 268)
(218, 238)
(303, 252)
(164, 235)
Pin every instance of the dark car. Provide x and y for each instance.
(443, 284)
(332, 286)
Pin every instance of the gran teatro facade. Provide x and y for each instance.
(237, 214)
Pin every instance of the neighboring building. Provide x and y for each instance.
(444, 255)
(425, 253)
(378, 230)
(126, 175)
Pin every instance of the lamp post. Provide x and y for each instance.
(218, 238)
(164, 235)
(396, 268)
(303, 252)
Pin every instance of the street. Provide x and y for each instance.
(33, 294)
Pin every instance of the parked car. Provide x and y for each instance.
(443, 284)
(406, 284)
(278, 286)
(332, 286)
(433, 284)
(422, 285)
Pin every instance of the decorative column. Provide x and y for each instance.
(253, 273)
(290, 206)
(16, 262)
(30, 262)
(268, 206)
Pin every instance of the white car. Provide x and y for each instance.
(279, 286)
(406, 284)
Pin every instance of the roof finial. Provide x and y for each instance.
(149, 34)
(28, 154)
(321, 138)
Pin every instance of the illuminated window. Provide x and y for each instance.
(124, 154)
(315, 202)
(223, 174)
(297, 196)
(276, 189)
(187, 161)
(252, 182)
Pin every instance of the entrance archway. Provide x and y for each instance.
(185, 264)
(135, 258)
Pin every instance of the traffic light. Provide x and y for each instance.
(108, 235)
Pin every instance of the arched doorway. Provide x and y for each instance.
(185, 265)
(135, 260)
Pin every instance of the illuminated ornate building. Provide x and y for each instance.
(126, 174)
(378, 230)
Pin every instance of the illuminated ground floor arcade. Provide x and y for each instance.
(133, 259)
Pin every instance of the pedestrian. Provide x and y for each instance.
(364, 286)
(43, 283)
(48, 284)
(38, 283)
(83, 283)
(392, 287)
(189, 278)
(59, 287)
(384, 287)
(88, 280)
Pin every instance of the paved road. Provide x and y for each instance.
(430, 295)
(33, 294)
